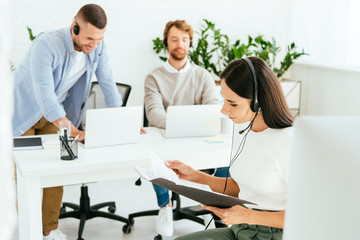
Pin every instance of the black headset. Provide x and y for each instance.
(166, 44)
(76, 29)
(255, 105)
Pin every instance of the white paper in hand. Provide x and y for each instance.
(163, 176)
(158, 169)
(161, 170)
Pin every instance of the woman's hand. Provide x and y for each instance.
(181, 169)
(234, 215)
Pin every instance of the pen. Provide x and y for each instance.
(73, 141)
(68, 149)
(65, 135)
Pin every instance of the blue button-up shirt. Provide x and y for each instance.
(40, 78)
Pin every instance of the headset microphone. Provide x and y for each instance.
(250, 124)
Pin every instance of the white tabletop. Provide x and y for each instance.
(193, 151)
(37, 169)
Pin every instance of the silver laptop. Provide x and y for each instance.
(192, 121)
(112, 126)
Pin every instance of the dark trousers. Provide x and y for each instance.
(236, 232)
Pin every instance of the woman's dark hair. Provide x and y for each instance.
(93, 14)
(238, 77)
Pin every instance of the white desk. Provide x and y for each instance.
(37, 169)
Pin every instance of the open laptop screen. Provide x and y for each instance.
(193, 121)
(112, 126)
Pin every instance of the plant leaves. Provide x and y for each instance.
(214, 50)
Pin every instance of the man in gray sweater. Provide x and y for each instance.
(178, 82)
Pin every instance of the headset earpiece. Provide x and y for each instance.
(165, 43)
(76, 29)
(255, 105)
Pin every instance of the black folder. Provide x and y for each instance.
(202, 196)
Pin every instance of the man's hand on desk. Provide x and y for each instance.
(75, 132)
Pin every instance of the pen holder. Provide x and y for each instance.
(68, 149)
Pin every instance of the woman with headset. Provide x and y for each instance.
(254, 101)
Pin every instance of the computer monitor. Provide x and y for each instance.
(324, 179)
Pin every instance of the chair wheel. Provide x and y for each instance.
(126, 229)
(112, 209)
(138, 182)
(158, 237)
(62, 209)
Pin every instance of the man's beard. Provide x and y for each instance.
(77, 46)
(178, 57)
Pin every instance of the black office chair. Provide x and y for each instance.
(96, 98)
(84, 211)
(191, 213)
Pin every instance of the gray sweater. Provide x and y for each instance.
(163, 89)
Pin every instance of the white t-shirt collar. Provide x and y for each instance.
(171, 69)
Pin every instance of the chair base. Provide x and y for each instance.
(190, 213)
(84, 211)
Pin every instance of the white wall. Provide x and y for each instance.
(7, 177)
(328, 90)
(133, 24)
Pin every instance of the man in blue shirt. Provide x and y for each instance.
(53, 83)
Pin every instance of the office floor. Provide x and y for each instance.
(129, 198)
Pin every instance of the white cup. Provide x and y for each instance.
(226, 124)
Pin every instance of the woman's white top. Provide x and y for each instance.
(261, 170)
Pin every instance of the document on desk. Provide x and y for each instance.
(161, 175)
